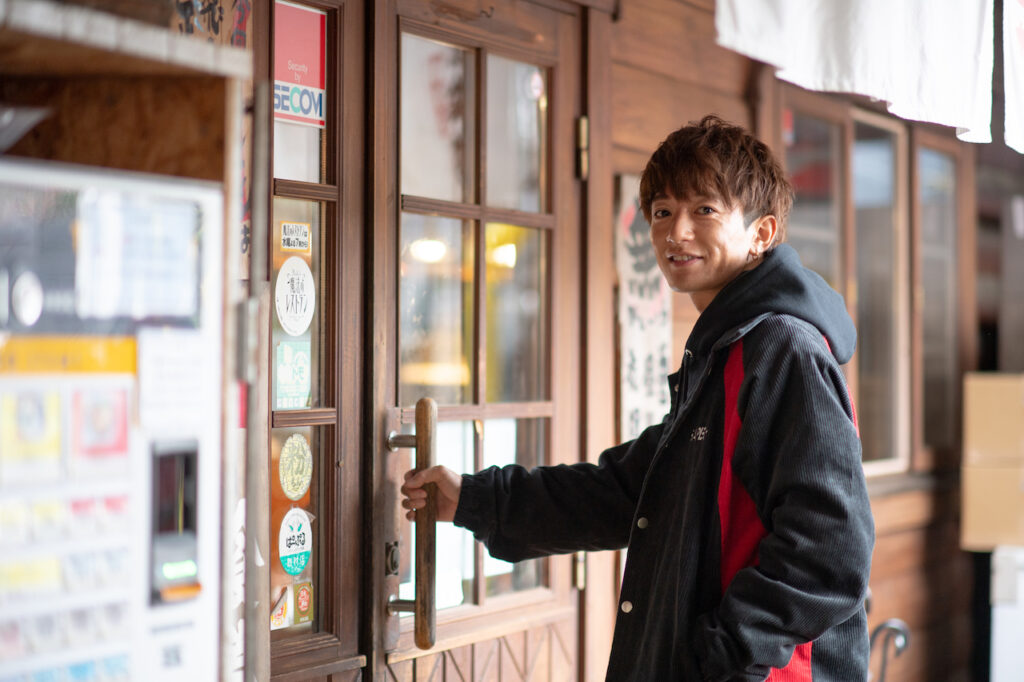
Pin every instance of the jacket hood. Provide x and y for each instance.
(780, 284)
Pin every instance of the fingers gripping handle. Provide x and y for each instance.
(423, 607)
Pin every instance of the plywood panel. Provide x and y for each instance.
(538, 654)
(487, 661)
(174, 126)
(459, 664)
(403, 671)
(677, 40)
(647, 106)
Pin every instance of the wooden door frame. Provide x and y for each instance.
(598, 408)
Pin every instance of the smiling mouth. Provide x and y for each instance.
(681, 258)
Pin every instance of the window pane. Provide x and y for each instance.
(517, 110)
(523, 442)
(297, 296)
(813, 159)
(874, 169)
(300, 96)
(937, 186)
(294, 541)
(437, 125)
(435, 327)
(517, 313)
(454, 572)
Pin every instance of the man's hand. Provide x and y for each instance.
(449, 487)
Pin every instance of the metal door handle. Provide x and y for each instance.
(425, 444)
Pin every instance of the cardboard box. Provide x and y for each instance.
(992, 476)
(993, 419)
(993, 508)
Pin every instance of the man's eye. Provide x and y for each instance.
(706, 210)
(660, 213)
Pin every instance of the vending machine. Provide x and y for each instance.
(111, 315)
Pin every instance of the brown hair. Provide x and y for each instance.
(715, 158)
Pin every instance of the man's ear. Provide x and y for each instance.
(765, 229)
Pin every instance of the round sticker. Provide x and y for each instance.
(295, 541)
(27, 298)
(295, 296)
(295, 467)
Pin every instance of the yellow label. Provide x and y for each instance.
(30, 423)
(48, 354)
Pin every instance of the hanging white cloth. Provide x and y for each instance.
(929, 60)
(1013, 73)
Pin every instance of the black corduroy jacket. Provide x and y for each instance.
(745, 512)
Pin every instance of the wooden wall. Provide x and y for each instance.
(667, 70)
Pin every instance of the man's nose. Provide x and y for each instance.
(681, 229)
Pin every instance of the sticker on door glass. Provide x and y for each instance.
(295, 296)
(295, 467)
(303, 602)
(295, 541)
(295, 237)
(281, 615)
(292, 375)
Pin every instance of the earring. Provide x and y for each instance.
(753, 256)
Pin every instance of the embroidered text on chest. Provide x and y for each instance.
(699, 433)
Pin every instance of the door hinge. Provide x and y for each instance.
(583, 148)
(579, 570)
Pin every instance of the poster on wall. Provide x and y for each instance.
(645, 317)
(300, 35)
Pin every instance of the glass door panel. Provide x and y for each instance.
(436, 325)
(516, 267)
(454, 572)
(294, 542)
(437, 119)
(517, 121)
(295, 335)
(523, 442)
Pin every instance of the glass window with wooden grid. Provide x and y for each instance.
(474, 281)
(850, 224)
(302, 208)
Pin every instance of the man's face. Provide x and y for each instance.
(701, 243)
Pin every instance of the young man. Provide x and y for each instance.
(745, 511)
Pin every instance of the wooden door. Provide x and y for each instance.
(474, 282)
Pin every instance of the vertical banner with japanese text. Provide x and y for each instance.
(644, 317)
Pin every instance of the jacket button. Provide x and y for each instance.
(627, 606)
(641, 523)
